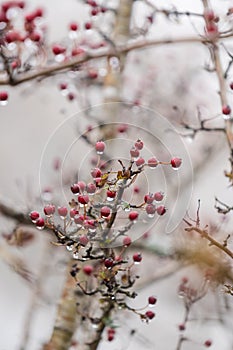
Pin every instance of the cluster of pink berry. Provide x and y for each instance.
(88, 227)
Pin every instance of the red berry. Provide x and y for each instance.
(231, 85)
(96, 172)
(110, 337)
(108, 262)
(152, 300)
(105, 212)
(63, 86)
(82, 186)
(226, 110)
(12, 37)
(152, 162)
(182, 327)
(209, 15)
(77, 51)
(161, 210)
(133, 215)
(111, 331)
(83, 240)
(137, 257)
(212, 29)
(127, 241)
(57, 49)
(139, 145)
(88, 25)
(79, 220)
(73, 212)
(176, 162)
(208, 343)
(3, 96)
(150, 314)
(49, 210)
(158, 196)
(35, 36)
(34, 215)
(75, 188)
(122, 128)
(91, 188)
(134, 152)
(100, 146)
(71, 96)
(73, 26)
(140, 161)
(149, 198)
(88, 269)
(39, 12)
(150, 210)
(62, 211)
(94, 12)
(40, 223)
(110, 195)
(83, 199)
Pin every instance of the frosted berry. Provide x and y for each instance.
(100, 146)
(226, 110)
(96, 172)
(133, 215)
(105, 212)
(176, 162)
(79, 220)
(137, 258)
(108, 262)
(152, 300)
(161, 210)
(91, 188)
(140, 161)
(88, 269)
(75, 189)
(110, 195)
(150, 314)
(83, 240)
(139, 145)
(83, 199)
(82, 185)
(40, 223)
(150, 210)
(73, 212)
(49, 210)
(134, 152)
(62, 211)
(158, 196)
(209, 15)
(152, 162)
(127, 241)
(34, 215)
(149, 198)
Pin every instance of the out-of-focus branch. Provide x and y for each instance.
(108, 52)
(212, 241)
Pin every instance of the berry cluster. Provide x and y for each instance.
(88, 228)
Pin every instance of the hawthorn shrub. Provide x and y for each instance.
(123, 94)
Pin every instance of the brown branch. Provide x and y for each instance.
(120, 49)
(67, 315)
(212, 241)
